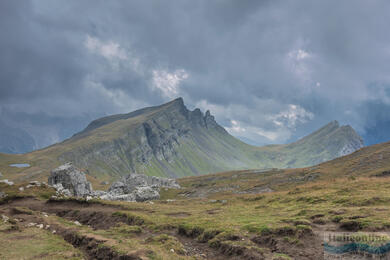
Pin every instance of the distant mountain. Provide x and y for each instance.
(373, 161)
(327, 143)
(170, 140)
(15, 140)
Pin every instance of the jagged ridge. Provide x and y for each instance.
(172, 141)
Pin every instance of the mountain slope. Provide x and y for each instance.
(368, 161)
(169, 140)
(329, 142)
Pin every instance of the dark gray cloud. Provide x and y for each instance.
(270, 71)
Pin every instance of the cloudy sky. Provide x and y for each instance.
(270, 71)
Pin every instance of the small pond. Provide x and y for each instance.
(20, 165)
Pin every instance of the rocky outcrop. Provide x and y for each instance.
(352, 144)
(70, 181)
(139, 187)
(129, 182)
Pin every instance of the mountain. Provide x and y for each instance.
(170, 140)
(327, 143)
(371, 160)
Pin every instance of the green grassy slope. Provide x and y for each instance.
(169, 140)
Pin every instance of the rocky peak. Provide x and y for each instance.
(178, 102)
(337, 140)
(353, 141)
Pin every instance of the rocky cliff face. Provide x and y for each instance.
(156, 139)
(351, 144)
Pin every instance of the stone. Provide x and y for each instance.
(21, 188)
(145, 193)
(138, 187)
(119, 188)
(10, 183)
(2, 195)
(35, 183)
(77, 223)
(5, 218)
(61, 191)
(71, 179)
(124, 197)
(1, 175)
(98, 193)
(131, 181)
(104, 183)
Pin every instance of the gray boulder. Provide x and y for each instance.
(98, 193)
(119, 188)
(71, 179)
(10, 183)
(131, 181)
(139, 187)
(145, 193)
(2, 195)
(61, 191)
(123, 197)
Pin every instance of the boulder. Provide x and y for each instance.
(145, 193)
(10, 183)
(129, 182)
(70, 179)
(123, 197)
(119, 188)
(98, 193)
(61, 191)
(138, 187)
(2, 195)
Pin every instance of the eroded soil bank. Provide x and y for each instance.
(102, 231)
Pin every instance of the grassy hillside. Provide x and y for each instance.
(249, 214)
(169, 140)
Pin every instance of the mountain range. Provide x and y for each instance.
(170, 140)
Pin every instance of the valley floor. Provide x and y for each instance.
(237, 215)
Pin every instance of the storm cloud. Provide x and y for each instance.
(270, 71)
